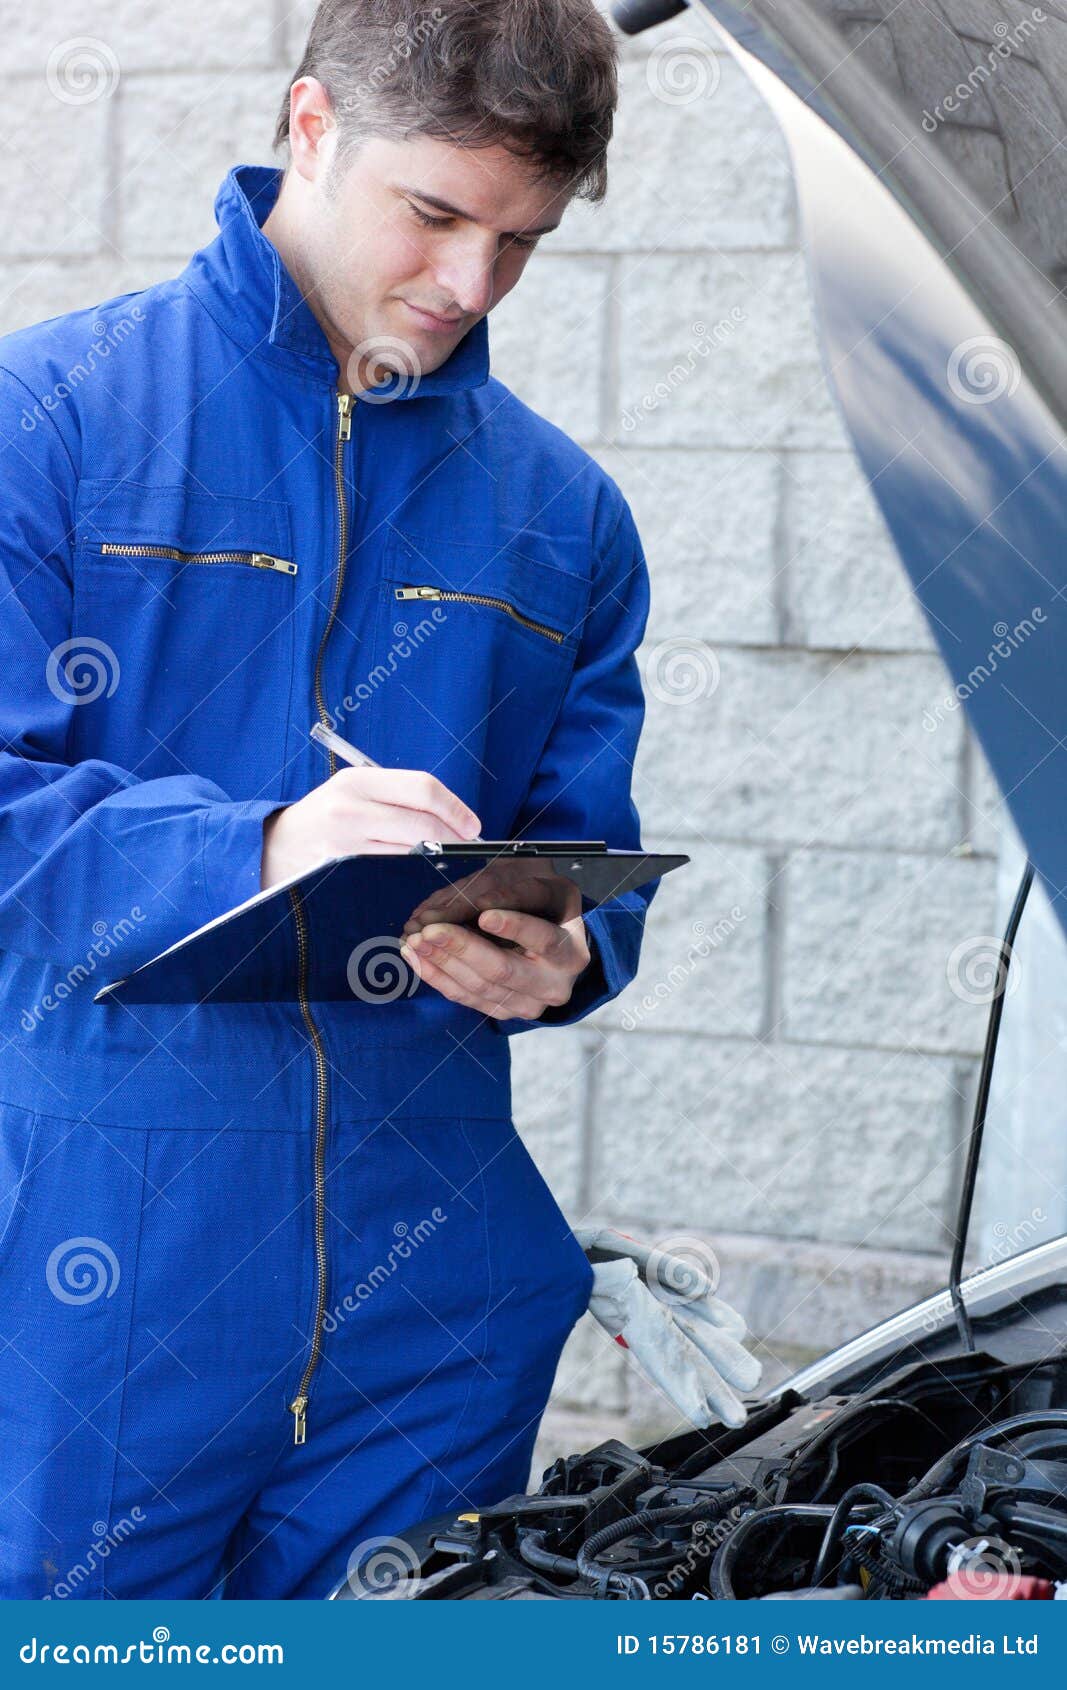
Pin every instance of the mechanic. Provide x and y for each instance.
(286, 487)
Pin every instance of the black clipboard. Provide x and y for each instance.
(354, 908)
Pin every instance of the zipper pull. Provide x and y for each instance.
(298, 1408)
(418, 592)
(344, 408)
(263, 560)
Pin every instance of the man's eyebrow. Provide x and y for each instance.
(454, 211)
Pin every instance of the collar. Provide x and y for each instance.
(242, 281)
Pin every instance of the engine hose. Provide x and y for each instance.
(833, 1429)
(893, 1581)
(943, 1469)
(533, 1552)
(839, 1519)
(720, 1578)
(1036, 1446)
(593, 1546)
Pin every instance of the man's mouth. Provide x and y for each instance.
(430, 319)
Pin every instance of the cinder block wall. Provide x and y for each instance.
(787, 1080)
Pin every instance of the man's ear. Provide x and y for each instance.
(312, 128)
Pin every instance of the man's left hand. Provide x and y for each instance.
(536, 969)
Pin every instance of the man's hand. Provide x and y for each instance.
(538, 968)
(381, 810)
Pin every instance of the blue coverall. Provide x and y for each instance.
(274, 1278)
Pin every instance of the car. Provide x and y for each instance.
(927, 1456)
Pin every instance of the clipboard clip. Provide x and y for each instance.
(508, 847)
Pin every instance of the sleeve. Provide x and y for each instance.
(86, 843)
(582, 787)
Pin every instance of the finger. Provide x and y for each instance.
(391, 825)
(414, 789)
(463, 906)
(539, 938)
(469, 896)
(488, 1003)
(500, 998)
(475, 960)
(437, 978)
(526, 981)
(505, 888)
(727, 1357)
(495, 997)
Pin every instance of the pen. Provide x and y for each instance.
(331, 741)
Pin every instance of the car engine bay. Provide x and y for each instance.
(945, 1477)
(929, 1458)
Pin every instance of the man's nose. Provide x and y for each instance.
(467, 277)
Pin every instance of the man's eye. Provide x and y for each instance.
(431, 222)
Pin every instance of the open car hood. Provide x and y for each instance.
(927, 1456)
(932, 194)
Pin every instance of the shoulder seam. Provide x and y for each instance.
(623, 507)
(18, 381)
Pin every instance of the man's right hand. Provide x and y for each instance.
(379, 810)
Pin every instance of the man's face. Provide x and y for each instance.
(413, 241)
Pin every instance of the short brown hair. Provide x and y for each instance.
(539, 77)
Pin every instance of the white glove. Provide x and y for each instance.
(663, 1308)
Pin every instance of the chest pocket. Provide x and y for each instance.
(193, 599)
(473, 654)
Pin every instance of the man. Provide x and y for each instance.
(278, 1275)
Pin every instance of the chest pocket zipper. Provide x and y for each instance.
(256, 560)
(446, 594)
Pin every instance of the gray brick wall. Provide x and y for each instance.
(789, 1075)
